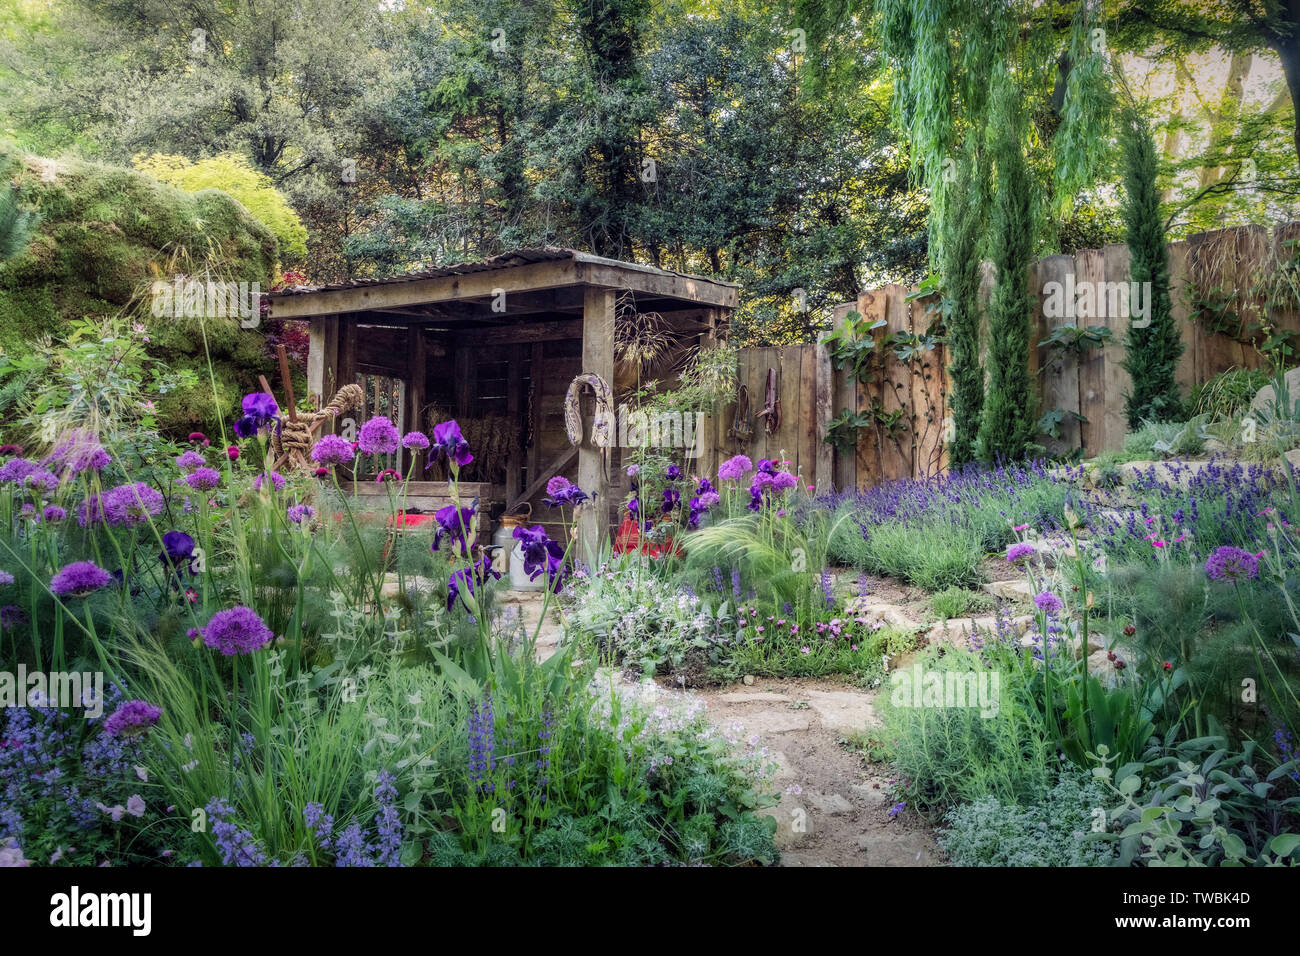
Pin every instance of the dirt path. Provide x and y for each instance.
(834, 808)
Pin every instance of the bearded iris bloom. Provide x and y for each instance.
(178, 551)
(449, 442)
(457, 523)
(541, 554)
(260, 410)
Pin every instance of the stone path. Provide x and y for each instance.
(834, 807)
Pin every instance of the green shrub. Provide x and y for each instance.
(959, 602)
(950, 755)
(1227, 394)
(1055, 829)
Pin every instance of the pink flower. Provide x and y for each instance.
(1022, 527)
(135, 805)
(804, 650)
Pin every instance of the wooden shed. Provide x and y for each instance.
(496, 344)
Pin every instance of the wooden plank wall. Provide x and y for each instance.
(1220, 288)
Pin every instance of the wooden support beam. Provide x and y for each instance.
(536, 362)
(415, 372)
(514, 385)
(597, 359)
(322, 359)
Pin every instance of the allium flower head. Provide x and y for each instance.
(300, 513)
(237, 630)
(80, 579)
(1020, 551)
(79, 451)
(332, 450)
(132, 719)
(6, 579)
(415, 441)
(131, 504)
(190, 460)
(1049, 602)
(734, 468)
(1230, 564)
(203, 479)
(53, 513)
(16, 470)
(379, 436)
(783, 480)
(276, 479)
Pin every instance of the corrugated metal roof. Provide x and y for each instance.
(506, 260)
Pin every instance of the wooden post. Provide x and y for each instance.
(323, 359)
(415, 374)
(514, 385)
(597, 359)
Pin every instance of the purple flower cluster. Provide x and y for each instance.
(79, 579)
(300, 513)
(332, 450)
(78, 452)
(541, 554)
(132, 719)
(1230, 564)
(203, 479)
(237, 630)
(734, 468)
(448, 442)
(379, 436)
(259, 410)
(131, 504)
(415, 441)
(560, 491)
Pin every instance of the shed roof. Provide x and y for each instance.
(538, 277)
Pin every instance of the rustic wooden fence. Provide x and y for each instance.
(1229, 288)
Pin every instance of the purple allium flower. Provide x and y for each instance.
(203, 479)
(733, 468)
(131, 504)
(379, 436)
(766, 466)
(132, 719)
(178, 550)
(1049, 602)
(448, 441)
(415, 441)
(16, 470)
(237, 630)
(42, 481)
(300, 513)
(53, 513)
(633, 470)
(465, 579)
(79, 579)
(332, 450)
(458, 523)
(79, 451)
(783, 480)
(190, 460)
(1020, 551)
(277, 480)
(1229, 564)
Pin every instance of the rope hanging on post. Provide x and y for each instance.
(603, 430)
(298, 436)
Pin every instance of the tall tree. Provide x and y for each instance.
(1008, 427)
(1152, 348)
(960, 269)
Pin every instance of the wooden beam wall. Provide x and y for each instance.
(598, 359)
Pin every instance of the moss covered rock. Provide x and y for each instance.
(105, 235)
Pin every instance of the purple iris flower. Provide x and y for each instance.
(447, 440)
(466, 578)
(178, 551)
(259, 409)
(457, 523)
(540, 554)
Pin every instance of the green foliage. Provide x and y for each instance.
(1227, 394)
(1007, 430)
(16, 224)
(1152, 349)
(232, 175)
(1201, 803)
(949, 755)
(959, 602)
(961, 312)
(1054, 828)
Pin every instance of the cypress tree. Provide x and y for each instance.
(1007, 430)
(961, 312)
(1151, 352)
